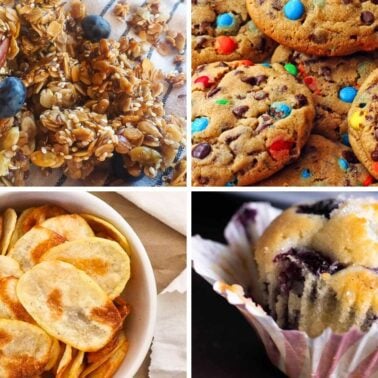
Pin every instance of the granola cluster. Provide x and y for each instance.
(86, 101)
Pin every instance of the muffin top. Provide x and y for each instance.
(344, 231)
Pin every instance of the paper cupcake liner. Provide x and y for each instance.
(232, 272)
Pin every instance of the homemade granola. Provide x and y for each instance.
(86, 101)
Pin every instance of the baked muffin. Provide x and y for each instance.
(318, 266)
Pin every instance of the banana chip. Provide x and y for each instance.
(30, 247)
(69, 305)
(9, 220)
(70, 226)
(104, 229)
(24, 349)
(103, 260)
(33, 217)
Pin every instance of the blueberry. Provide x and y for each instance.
(95, 28)
(324, 208)
(12, 96)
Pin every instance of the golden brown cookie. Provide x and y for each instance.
(248, 122)
(223, 31)
(322, 163)
(333, 83)
(318, 27)
(363, 124)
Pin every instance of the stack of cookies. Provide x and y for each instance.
(284, 92)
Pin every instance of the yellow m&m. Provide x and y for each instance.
(357, 119)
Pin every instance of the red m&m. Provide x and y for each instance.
(204, 80)
(225, 45)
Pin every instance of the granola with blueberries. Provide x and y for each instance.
(75, 99)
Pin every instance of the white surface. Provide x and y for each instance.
(169, 209)
(140, 291)
(168, 357)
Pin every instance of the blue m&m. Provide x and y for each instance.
(294, 9)
(199, 124)
(225, 20)
(347, 94)
(280, 110)
(306, 173)
(345, 139)
(343, 164)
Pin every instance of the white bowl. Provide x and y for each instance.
(140, 291)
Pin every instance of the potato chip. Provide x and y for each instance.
(64, 362)
(96, 359)
(9, 220)
(70, 226)
(69, 305)
(33, 217)
(54, 354)
(24, 349)
(103, 260)
(30, 247)
(10, 306)
(9, 267)
(104, 229)
(76, 367)
(111, 365)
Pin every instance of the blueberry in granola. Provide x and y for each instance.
(12, 96)
(95, 28)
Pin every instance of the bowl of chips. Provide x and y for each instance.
(77, 290)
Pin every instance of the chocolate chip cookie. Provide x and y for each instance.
(333, 82)
(319, 27)
(223, 31)
(249, 121)
(322, 163)
(363, 124)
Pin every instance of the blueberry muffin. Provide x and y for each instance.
(319, 27)
(249, 121)
(363, 124)
(318, 266)
(333, 82)
(322, 163)
(222, 30)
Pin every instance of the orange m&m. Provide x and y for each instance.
(225, 45)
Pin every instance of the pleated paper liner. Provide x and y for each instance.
(232, 272)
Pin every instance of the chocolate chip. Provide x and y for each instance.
(213, 91)
(374, 2)
(374, 154)
(255, 80)
(350, 157)
(277, 5)
(239, 111)
(376, 134)
(301, 101)
(260, 95)
(201, 150)
(367, 17)
(265, 120)
(325, 71)
(346, 2)
(319, 36)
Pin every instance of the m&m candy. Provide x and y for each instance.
(343, 164)
(205, 80)
(291, 68)
(294, 9)
(357, 119)
(347, 94)
(306, 173)
(200, 124)
(345, 139)
(279, 110)
(225, 45)
(225, 20)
